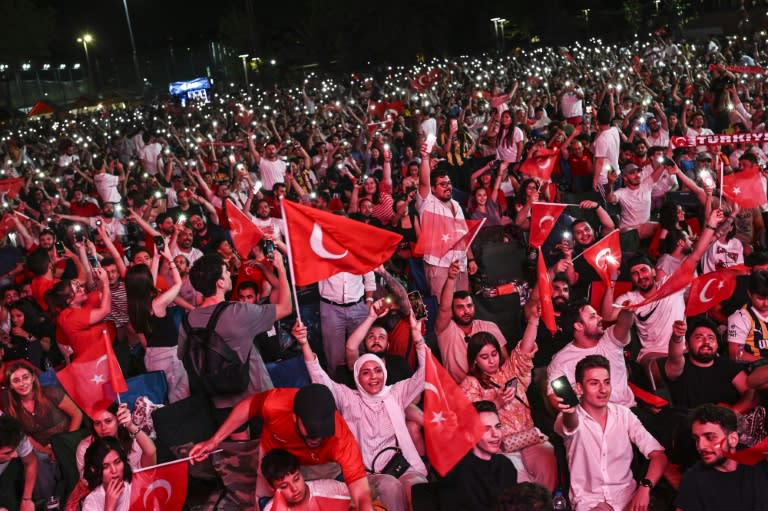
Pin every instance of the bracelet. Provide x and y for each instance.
(133, 435)
(710, 227)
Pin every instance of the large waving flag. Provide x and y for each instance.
(543, 218)
(452, 426)
(745, 188)
(712, 288)
(605, 256)
(440, 234)
(94, 379)
(541, 164)
(674, 283)
(160, 488)
(323, 244)
(545, 294)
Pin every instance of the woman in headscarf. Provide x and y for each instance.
(375, 413)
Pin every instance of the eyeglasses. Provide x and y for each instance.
(24, 378)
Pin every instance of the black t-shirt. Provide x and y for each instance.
(208, 242)
(739, 298)
(700, 385)
(550, 343)
(475, 484)
(705, 489)
(193, 209)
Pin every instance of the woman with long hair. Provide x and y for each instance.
(379, 193)
(43, 413)
(147, 311)
(31, 336)
(509, 139)
(108, 475)
(505, 383)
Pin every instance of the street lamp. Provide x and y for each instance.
(498, 32)
(245, 71)
(139, 81)
(85, 39)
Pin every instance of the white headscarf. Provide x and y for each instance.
(394, 411)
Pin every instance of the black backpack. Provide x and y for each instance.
(213, 366)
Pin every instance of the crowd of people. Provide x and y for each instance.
(117, 224)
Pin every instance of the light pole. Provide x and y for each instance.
(133, 47)
(498, 32)
(85, 39)
(244, 56)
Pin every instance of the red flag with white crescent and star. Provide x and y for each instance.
(323, 244)
(545, 294)
(605, 256)
(440, 234)
(322, 503)
(160, 488)
(541, 164)
(681, 278)
(543, 218)
(452, 426)
(94, 378)
(745, 188)
(712, 288)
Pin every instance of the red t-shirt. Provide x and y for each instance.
(275, 407)
(74, 328)
(581, 167)
(40, 286)
(87, 209)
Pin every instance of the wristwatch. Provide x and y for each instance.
(646, 482)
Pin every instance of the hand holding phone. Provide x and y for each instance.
(562, 389)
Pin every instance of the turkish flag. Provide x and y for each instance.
(11, 186)
(677, 281)
(712, 288)
(381, 109)
(541, 164)
(543, 218)
(244, 118)
(6, 225)
(94, 379)
(160, 488)
(425, 80)
(751, 455)
(745, 188)
(323, 244)
(605, 256)
(440, 234)
(545, 295)
(373, 127)
(452, 426)
(244, 233)
(339, 503)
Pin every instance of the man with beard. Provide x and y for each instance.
(635, 199)
(716, 482)
(271, 168)
(599, 436)
(675, 248)
(654, 320)
(266, 222)
(207, 235)
(439, 212)
(184, 208)
(181, 244)
(589, 338)
(658, 128)
(113, 227)
(701, 376)
(80, 205)
(550, 343)
(456, 323)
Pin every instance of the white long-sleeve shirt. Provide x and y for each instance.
(345, 287)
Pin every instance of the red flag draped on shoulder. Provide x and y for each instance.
(244, 233)
(712, 288)
(674, 283)
(160, 488)
(452, 426)
(440, 234)
(340, 503)
(324, 244)
(545, 294)
(745, 188)
(94, 378)
(541, 164)
(605, 256)
(543, 218)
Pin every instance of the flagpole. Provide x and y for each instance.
(290, 260)
(557, 204)
(173, 462)
(720, 205)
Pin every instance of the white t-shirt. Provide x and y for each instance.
(506, 151)
(635, 205)
(661, 139)
(193, 255)
(106, 186)
(607, 145)
(704, 132)
(148, 156)
(65, 160)
(271, 172)
(654, 320)
(429, 126)
(22, 450)
(564, 364)
(114, 228)
(722, 254)
(271, 225)
(571, 105)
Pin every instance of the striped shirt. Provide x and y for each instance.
(119, 312)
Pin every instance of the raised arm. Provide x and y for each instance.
(424, 172)
(444, 312)
(377, 310)
(162, 301)
(675, 363)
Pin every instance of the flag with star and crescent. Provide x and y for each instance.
(712, 288)
(544, 215)
(440, 234)
(94, 379)
(160, 488)
(745, 188)
(452, 426)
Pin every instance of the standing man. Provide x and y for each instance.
(598, 437)
(237, 325)
(606, 149)
(716, 482)
(435, 197)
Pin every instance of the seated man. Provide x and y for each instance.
(281, 470)
(598, 437)
(717, 483)
(14, 444)
(747, 328)
(304, 422)
(476, 482)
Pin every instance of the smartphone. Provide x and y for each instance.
(454, 124)
(159, 243)
(59, 249)
(562, 388)
(94, 261)
(510, 383)
(430, 142)
(79, 236)
(417, 304)
(269, 249)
